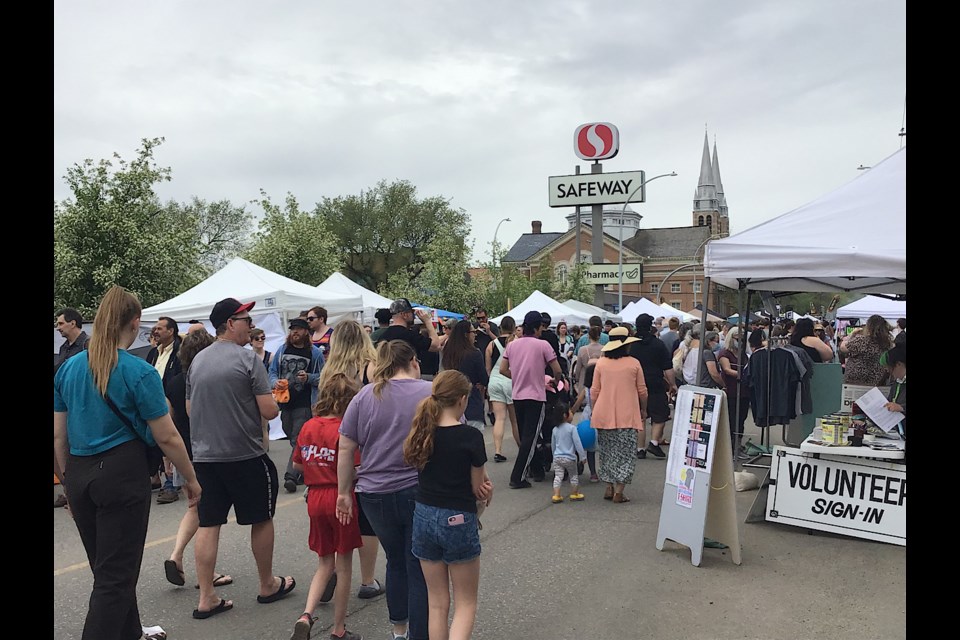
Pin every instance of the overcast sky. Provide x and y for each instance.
(478, 101)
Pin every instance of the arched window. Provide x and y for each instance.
(700, 221)
(561, 273)
(710, 221)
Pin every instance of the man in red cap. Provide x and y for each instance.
(228, 394)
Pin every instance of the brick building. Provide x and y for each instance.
(671, 256)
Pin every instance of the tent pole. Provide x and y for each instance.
(703, 325)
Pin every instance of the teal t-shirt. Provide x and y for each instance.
(584, 339)
(92, 427)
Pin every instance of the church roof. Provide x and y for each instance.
(668, 242)
(529, 244)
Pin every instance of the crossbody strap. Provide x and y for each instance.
(124, 419)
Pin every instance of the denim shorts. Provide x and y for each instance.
(436, 540)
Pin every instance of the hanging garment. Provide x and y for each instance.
(774, 378)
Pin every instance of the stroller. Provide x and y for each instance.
(544, 445)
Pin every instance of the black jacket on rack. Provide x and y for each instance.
(773, 381)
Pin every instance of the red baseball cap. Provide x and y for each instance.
(226, 308)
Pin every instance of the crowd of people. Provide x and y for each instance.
(386, 430)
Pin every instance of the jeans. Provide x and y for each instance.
(436, 539)
(109, 496)
(292, 420)
(391, 515)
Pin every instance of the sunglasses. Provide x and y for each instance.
(261, 338)
(311, 318)
(248, 319)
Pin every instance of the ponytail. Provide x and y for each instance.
(118, 309)
(448, 388)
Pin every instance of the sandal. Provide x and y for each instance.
(281, 591)
(219, 580)
(608, 494)
(301, 630)
(620, 498)
(174, 573)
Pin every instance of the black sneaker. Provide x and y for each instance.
(656, 451)
(641, 454)
(520, 485)
(290, 485)
(330, 588)
(499, 458)
(371, 591)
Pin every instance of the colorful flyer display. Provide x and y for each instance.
(685, 487)
(694, 422)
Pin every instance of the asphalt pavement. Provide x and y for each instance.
(572, 571)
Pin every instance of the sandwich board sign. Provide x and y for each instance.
(699, 496)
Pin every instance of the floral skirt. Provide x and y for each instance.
(618, 454)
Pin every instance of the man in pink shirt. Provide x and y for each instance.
(525, 361)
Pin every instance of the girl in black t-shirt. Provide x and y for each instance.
(450, 457)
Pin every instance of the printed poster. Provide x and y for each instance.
(695, 419)
(685, 487)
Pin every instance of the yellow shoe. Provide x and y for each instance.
(557, 499)
(576, 496)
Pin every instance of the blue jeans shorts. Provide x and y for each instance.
(436, 540)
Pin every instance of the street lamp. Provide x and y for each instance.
(620, 243)
(863, 168)
(695, 253)
(495, 232)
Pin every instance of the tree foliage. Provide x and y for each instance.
(221, 230)
(294, 243)
(114, 231)
(387, 231)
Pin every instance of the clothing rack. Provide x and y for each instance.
(772, 344)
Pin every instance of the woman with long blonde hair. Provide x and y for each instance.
(104, 461)
(352, 354)
(450, 458)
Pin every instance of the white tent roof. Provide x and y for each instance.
(891, 310)
(541, 302)
(672, 312)
(340, 284)
(635, 308)
(592, 310)
(246, 281)
(851, 239)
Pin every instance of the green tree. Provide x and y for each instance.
(114, 231)
(576, 287)
(388, 229)
(294, 243)
(222, 230)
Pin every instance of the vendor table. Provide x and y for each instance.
(844, 490)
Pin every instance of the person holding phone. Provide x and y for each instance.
(450, 458)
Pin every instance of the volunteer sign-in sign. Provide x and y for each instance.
(596, 188)
(849, 496)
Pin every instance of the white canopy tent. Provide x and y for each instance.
(891, 310)
(538, 301)
(247, 282)
(672, 312)
(592, 310)
(851, 239)
(635, 308)
(340, 284)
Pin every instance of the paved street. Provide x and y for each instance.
(570, 571)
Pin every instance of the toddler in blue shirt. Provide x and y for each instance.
(566, 450)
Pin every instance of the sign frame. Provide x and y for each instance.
(597, 188)
(608, 273)
(587, 134)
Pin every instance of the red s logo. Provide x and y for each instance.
(596, 141)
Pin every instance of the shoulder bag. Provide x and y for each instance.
(154, 453)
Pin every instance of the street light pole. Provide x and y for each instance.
(695, 253)
(620, 243)
(495, 232)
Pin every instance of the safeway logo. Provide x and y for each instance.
(596, 141)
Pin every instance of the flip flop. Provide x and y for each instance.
(219, 580)
(174, 574)
(220, 608)
(281, 592)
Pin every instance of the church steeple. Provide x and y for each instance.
(706, 203)
(717, 181)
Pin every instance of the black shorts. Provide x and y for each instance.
(249, 486)
(658, 407)
(366, 529)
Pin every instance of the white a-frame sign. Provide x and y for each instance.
(699, 497)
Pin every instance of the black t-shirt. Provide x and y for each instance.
(176, 392)
(419, 342)
(588, 376)
(654, 358)
(292, 360)
(445, 480)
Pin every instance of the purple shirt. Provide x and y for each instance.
(528, 357)
(380, 426)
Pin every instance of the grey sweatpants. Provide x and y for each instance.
(569, 465)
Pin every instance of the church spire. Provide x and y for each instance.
(705, 199)
(706, 169)
(722, 200)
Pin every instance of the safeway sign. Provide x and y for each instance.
(596, 141)
(597, 188)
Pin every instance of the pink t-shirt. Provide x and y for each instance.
(528, 357)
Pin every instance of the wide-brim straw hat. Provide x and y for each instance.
(616, 344)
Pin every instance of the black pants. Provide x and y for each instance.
(737, 421)
(529, 422)
(109, 496)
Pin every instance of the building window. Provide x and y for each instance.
(710, 221)
(674, 287)
(561, 273)
(655, 289)
(696, 286)
(700, 221)
(675, 304)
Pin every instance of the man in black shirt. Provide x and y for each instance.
(70, 326)
(401, 328)
(548, 334)
(657, 367)
(487, 331)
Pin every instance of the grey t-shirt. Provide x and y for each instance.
(705, 379)
(380, 427)
(222, 384)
